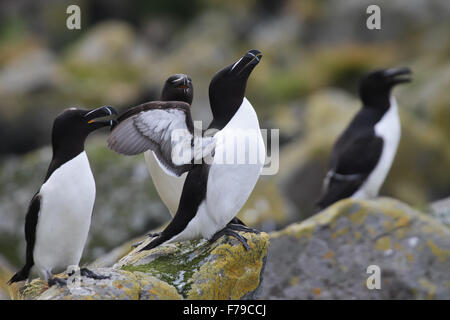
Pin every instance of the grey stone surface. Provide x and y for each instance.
(326, 256)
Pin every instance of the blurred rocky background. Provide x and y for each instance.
(314, 54)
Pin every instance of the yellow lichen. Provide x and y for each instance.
(317, 291)
(441, 254)
(233, 273)
(409, 257)
(358, 217)
(158, 289)
(294, 281)
(339, 232)
(329, 255)
(383, 243)
(402, 221)
(397, 246)
(298, 230)
(371, 230)
(32, 289)
(431, 287)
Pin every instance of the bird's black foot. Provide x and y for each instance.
(240, 227)
(137, 244)
(150, 235)
(58, 281)
(230, 232)
(160, 239)
(236, 220)
(85, 272)
(153, 234)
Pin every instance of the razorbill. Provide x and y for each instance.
(363, 153)
(215, 189)
(177, 87)
(59, 214)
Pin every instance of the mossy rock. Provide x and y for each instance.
(184, 270)
(199, 270)
(327, 255)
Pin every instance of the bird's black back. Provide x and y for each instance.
(355, 154)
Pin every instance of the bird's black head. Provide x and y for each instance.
(375, 88)
(72, 126)
(227, 88)
(178, 88)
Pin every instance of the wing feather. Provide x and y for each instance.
(166, 128)
(352, 160)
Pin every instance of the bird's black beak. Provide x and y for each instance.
(182, 82)
(250, 59)
(101, 112)
(398, 75)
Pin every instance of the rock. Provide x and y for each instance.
(327, 255)
(121, 285)
(223, 270)
(441, 210)
(190, 270)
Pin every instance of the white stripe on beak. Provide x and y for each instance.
(234, 65)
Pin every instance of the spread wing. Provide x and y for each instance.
(352, 160)
(166, 128)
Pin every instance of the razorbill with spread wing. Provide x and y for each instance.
(59, 214)
(364, 152)
(215, 190)
(177, 87)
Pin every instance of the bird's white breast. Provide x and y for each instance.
(388, 128)
(229, 184)
(169, 187)
(67, 200)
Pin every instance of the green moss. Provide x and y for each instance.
(178, 269)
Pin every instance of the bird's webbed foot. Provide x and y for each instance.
(228, 231)
(150, 235)
(240, 227)
(85, 272)
(58, 281)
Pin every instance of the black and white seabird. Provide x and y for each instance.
(177, 87)
(214, 191)
(363, 154)
(59, 214)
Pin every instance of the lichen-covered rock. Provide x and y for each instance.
(120, 284)
(441, 210)
(327, 255)
(191, 269)
(199, 270)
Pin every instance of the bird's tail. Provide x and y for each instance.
(21, 275)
